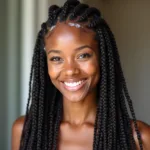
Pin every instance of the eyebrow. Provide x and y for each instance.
(76, 49)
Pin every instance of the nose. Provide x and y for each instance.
(71, 68)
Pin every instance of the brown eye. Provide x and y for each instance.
(85, 55)
(56, 59)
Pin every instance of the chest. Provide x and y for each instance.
(72, 139)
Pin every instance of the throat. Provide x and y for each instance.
(79, 114)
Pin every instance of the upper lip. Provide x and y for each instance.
(73, 80)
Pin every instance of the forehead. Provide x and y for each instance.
(65, 35)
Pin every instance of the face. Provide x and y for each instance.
(72, 58)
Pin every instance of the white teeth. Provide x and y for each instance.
(72, 84)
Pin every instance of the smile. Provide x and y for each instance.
(74, 86)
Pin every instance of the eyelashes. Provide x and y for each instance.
(58, 59)
(85, 55)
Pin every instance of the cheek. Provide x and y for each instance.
(91, 68)
(53, 72)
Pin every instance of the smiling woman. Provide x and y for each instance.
(78, 94)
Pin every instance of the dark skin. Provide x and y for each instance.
(72, 58)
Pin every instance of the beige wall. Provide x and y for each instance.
(129, 20)
(56, 2)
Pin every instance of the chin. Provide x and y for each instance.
(74, 99)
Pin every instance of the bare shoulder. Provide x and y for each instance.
(145, 134)
(16, 132)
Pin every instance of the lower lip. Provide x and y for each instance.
(75, 88)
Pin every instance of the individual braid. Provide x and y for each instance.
(102, 137)
(35, 95)
(88, 13)
(66, 9)
(77, 10)
(111, 94)
(41, 102)
(57, 125)
(51, 122)
(112, 129)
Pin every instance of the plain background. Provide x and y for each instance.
(19, 23)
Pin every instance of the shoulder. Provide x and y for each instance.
(16, 132)
(145, 134)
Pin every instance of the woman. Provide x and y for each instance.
(77, 93)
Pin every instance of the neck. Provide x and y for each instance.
(80, 112)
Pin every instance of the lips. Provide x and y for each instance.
(73, 85)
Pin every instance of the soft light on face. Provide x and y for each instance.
(72, 58)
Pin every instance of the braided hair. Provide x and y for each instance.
(112, 130)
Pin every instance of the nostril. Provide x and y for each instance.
(72, 71)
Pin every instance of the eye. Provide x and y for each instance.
(56, 59)
(85, 55)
